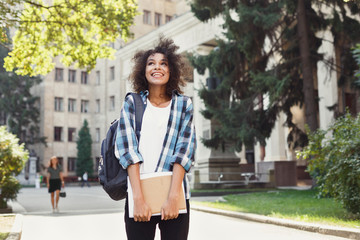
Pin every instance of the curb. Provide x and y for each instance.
(16, 230)
(349, 233)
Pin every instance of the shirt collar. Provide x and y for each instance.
(146, 93)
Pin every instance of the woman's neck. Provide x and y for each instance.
(158, 98)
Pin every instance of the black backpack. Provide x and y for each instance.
(112, 176)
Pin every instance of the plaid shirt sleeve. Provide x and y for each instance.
(127, 146)
(186, 142)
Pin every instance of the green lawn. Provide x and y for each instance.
(290, 204)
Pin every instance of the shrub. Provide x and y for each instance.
(12, 160)
(10, 189)
(334, 161)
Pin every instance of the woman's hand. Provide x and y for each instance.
(142, 212)
(170, 209)
(62, 184)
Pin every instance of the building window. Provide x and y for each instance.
(84, 78)
(168, 18)
(84, 106)
(72, 76)
(59, 74)
(112, 73)
(71, 164)
(72, 105)
(59, 104)
(97, 135)
(58, 134)
(157, 19)
(112, 103)
(147, 17)
(97, 103)
(71, 134)
(61, 161)
(97, 77)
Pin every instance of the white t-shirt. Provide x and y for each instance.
(153, 131)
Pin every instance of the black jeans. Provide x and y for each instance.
(175, 229)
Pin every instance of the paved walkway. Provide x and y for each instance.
(97, 217)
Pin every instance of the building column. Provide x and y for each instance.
(276, 146)
(327, 82)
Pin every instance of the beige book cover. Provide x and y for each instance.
(155, 187)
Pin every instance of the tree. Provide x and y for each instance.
(264, 64)
(306, 64)
(12, 160)
(84, 162)
(19, 105)
(79, 31)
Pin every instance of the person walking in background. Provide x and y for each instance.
(167, 142)
(85, 179)
(55, 181)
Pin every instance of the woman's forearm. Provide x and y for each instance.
(134, 175)
(176, 183)
(142, 212)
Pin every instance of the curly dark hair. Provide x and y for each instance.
(177, 66)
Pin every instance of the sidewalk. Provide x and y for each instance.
(348, 233)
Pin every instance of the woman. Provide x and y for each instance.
(167, 141)
(55, 181)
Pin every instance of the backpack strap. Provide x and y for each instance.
(139, 112)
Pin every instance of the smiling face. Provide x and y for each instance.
(157, 70)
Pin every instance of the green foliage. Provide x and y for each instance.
(84, 162)
(258, 65)
(334, 161)
(77, 31)
(19, 105)
(12, 160)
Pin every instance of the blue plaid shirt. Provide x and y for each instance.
(179, 143)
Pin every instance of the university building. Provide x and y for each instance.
(69, 96)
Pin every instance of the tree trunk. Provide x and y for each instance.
(306, 67)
